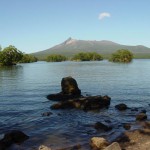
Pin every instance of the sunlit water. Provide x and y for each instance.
(23, 90)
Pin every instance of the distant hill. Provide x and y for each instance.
(105, 48)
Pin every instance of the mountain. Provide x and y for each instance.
(104, 47)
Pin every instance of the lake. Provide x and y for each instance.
(23, 91)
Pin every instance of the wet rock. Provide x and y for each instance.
(113, 146)
(108, 121)
(63, 105)
(43, 147)
(134, 109)
(47, 114)
(96, 102)
(13, 137)
(69, 89)
(121, 107)
(98, 143)
(85, 103)
(143, 111)
(101, 126)
(127, 126)
(69, 86)
(146, 124)
(61, 97)
(141, 117)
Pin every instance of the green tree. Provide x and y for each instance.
(10, 56)
(56, 58)
(122, 55)
(28, 59)
(87, 56)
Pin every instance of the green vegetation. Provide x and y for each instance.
(87, 56)
(56, 58)
(28, 59)
(123, 55)
(10, 56)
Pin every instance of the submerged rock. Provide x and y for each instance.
(46, 114)
(85, 103)
(143, 111)
(121, 107)
(141, 117)
(69, 90)
(14, 137)
(127, 126)
(101, 126)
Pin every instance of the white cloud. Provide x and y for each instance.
(104, 15)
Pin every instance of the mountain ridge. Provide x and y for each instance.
(73, 46)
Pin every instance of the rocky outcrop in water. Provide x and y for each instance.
(85, 103)
(13, 138)
(70, 97)
(69, 90)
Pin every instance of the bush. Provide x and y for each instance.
(56, 58)
(122, 55)
(10, 56)
(28, 59)
(87, 56)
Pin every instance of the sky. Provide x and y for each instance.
(35, 25)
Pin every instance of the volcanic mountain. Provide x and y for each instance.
(104, 47)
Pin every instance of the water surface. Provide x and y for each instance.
(23, 90)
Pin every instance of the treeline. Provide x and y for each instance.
(28, 59)
(122, 56)
(11, 55)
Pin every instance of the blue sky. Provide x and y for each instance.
(34, 25)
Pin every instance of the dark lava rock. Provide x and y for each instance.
(47, 114)
(85, 103)
(127, 126)
(13, 137)
(121, 107)
(69, 89)
(141, 117)
(101, 126)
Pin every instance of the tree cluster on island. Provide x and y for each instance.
(121, 56)
(11, 55)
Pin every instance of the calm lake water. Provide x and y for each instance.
(23, 90)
